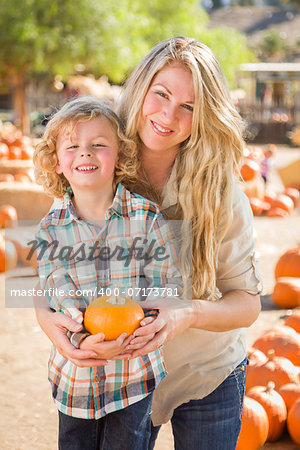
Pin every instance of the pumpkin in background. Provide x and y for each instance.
(284, 202)
(255, 357)
(286, 293)
(4, 151)
(258, 206)
(277, 212)
(288, 264)
(274, 406)
(113, 316)
(8, 213)
(14, 152)
(294, 194)
(293, 320)
(290, 393)
(255, 426)
(8, 256)
(276, 368)
(249, 170)
(293, 421)
(285, 341)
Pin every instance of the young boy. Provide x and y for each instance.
(106, 406)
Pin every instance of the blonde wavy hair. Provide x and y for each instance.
(74, 111)
(207, 159)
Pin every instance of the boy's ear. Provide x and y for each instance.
(58, 169)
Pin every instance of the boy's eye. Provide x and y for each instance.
(72, 147)
(98, 145)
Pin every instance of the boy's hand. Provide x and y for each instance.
(106, 349)
(138, 341)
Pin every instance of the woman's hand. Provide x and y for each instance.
(56, 325)
(106, 349)
(167, 325)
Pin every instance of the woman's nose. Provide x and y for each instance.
(170, 113)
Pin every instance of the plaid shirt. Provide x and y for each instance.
(67, 265)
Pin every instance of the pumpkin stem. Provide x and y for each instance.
(270, 386)
(271, 354)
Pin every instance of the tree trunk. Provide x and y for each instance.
(21, 117)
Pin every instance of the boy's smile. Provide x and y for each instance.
(87, 155)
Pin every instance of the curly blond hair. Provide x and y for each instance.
(207, 159)
(74, 111)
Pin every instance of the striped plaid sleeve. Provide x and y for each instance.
(59, 288)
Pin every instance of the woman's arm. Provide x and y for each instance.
(237, 309)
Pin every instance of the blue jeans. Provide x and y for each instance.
(126, 429)
(211, 423)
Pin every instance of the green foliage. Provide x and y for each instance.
(271, 44)
(108, 37)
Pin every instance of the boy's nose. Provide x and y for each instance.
(85, 153)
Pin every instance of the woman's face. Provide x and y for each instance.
(167, 111)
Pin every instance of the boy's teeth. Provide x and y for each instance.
(86, 167)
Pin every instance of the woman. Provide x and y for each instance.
(188, 136)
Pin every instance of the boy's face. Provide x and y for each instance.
(87, 158)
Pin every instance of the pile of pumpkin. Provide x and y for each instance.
(14, 246)
(286, 292)
(272, 401)
(13, 144)
(271, 204)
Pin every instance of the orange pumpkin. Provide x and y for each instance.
(113, 316)
(293, 320)
(277, 212)
(285, 341)
(284, 202)
(286, 293)
(258, 206)
(4, 151)
(294, 194)
(290, 393)
(269, 197)
(8, 256)
(288, 264)
(274, 406)
(293, 421)
(8, 213)
(255, 426)
(249, 170)
(14, 152)
(276, 368)
(255, 357)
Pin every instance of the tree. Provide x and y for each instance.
(39, 36)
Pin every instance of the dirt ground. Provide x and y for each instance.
(28, 416)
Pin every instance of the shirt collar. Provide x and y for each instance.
(65, 213)
(121, 205)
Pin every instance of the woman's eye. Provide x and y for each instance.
(188, 107)
(161, 94)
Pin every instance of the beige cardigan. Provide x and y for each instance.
(197, 361)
